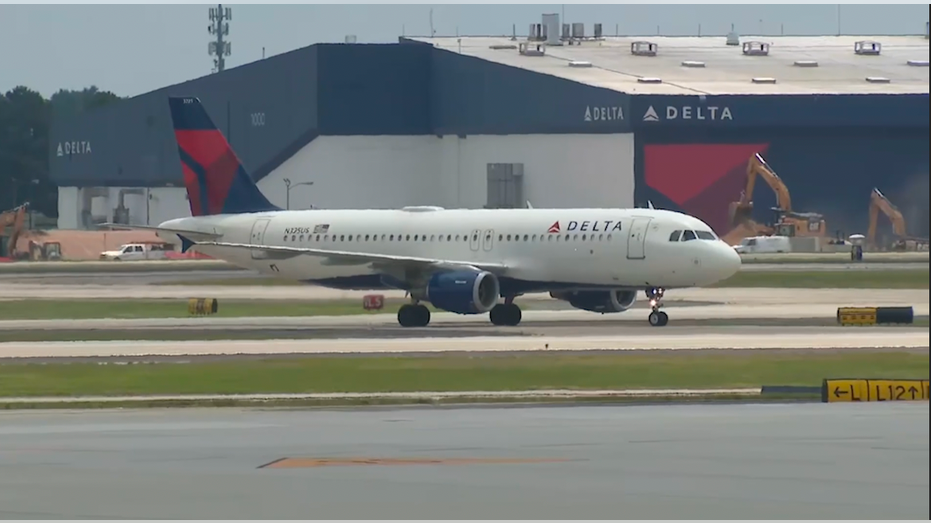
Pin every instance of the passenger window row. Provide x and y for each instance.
(688, 235)
(447, 238)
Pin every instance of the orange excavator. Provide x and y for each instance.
(787, 222)
(16, 219)
(901, 241)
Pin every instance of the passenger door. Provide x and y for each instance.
(636, 238)
(258, 238)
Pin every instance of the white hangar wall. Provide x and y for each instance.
(560, 171)
(592, 170)
(80, 206)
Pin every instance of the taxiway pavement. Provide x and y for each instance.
(786, 461)
(440, 342)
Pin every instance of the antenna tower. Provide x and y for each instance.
(220, 27)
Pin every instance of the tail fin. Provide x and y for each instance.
(215, 179)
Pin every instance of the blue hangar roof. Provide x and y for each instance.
(270, 109)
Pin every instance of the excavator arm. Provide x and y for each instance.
(740, 212)
(879, 203)
(789, 222)
(17, 219)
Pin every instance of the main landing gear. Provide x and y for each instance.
(657, 317)
(413, 315)
(507, 313)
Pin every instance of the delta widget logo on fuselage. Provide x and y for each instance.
(587, 226)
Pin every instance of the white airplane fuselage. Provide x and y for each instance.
(543, 249)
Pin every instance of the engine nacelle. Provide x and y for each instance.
(464, 292)
(598, 301)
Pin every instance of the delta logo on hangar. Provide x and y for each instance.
(688, 112)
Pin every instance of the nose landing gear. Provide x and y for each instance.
(657, 317)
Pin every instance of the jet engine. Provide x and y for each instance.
(598, 301)
(463, 292)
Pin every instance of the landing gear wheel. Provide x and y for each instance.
(659, 319)
(413, 315)
(505, 314)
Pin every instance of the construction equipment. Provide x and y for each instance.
(787, 222)
(16, 219)
(901, 241)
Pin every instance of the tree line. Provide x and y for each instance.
(25, 119)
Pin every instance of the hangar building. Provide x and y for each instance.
(569, 122)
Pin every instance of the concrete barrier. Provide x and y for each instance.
(875, 315)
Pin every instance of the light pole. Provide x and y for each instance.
(288, 187)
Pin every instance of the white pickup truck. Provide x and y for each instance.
(138, 251)
(763, 244)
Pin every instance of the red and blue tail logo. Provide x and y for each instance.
(215, 179)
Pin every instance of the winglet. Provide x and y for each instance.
(528, 205)
(650, 204)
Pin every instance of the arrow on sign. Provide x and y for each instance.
(913, 391)
(838, 393)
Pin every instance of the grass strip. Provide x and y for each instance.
(174, 308)
(889, 279)
(457, 372)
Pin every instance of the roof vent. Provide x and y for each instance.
(422, 208)
(806, 63)
(537, 33)
(598, 33)
(642, 48)
(531, 49)
(867, 47)
(579, 63)
(649, 80)
(551, 29)
(918, 63)
(756, 48)
(578, 30)
(733, 38)
(763, 80)
(566, 33)
(878, 80)
(499, 47)
(692, 63)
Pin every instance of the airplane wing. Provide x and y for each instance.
(190, 234)
(356, 258)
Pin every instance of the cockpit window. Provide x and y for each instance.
(688, 235)
(705, 235)
(674, 237)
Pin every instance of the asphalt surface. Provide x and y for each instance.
(790, 461)
(666, 340)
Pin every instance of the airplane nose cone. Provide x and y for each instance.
(730, 261)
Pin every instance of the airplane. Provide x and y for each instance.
(459, 260)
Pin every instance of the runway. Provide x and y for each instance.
(751, 338)
(806, 461)
(705, 327)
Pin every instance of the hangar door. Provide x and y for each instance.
(505, 186)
